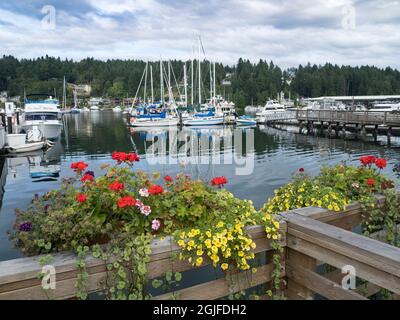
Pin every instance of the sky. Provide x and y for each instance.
(288, 32)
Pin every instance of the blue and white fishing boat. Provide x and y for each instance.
(245, 121)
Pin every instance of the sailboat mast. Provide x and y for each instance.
(199, 75)
(192, 88)
(64, 94)
(169, 81)
(185, 83)
(151, 80)
(214, 83)
(161, 83)
(145, 84)
(211, 84)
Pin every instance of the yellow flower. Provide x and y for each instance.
(224, 266)
(199, 252)
(191, 243)
(275, 237)
(208, 243)
(208, 234)
(220, 224)
(199, 261)
(181, 243)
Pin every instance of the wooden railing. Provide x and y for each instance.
(312, 237)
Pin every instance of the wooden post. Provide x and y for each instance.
(9, 125)
(3, 120)
(300, 259)
(375, 133)
(17, 116)
(344, 130)
(389, 135)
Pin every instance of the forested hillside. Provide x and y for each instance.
(250, 83)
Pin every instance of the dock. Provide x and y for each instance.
(338, 122)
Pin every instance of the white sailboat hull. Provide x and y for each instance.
(137, 122)
(208, 121)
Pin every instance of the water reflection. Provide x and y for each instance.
(93, 136)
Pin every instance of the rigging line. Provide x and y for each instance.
(137, 91)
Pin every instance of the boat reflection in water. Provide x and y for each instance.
(197, 148)
(42, 165)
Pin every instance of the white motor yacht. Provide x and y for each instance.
(43, 113)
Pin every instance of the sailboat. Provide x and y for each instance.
(209, 117)
(153, 114)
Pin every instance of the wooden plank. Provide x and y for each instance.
(374, 253)
(222, 287)
(364, 271)
(319, 284)
(64, 289)
(297, 258)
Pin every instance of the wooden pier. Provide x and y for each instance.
(336, 123)
(312, 237)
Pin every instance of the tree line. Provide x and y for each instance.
(249, 83)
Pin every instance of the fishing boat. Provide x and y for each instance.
(43, 113)
(245, 121)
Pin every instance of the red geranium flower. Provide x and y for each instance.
(168, 178)
(367, 160)
(219, 181)
(116, 186)
(381, 163)
(155, 189)
(119, 156)
(81, 197)
(127, 201)
(133, 157)
(301, 170)
(87, 177)
(79, 166)
(370, 182)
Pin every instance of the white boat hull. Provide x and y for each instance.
(49, 130)
(244, 122)
(153, 122)
(208, 121)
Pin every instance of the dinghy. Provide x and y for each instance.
(245, 121)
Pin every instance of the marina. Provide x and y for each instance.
(237, 151)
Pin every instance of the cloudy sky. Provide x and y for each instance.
(289, 32)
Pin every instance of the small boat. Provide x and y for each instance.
(245, 121)
(153, 122)
(27, 147)
(117, 109)
(94, 108)
(204, 121)
(85, 109)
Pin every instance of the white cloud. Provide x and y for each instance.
(289, 32)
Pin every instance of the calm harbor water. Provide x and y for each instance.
(93, 136)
